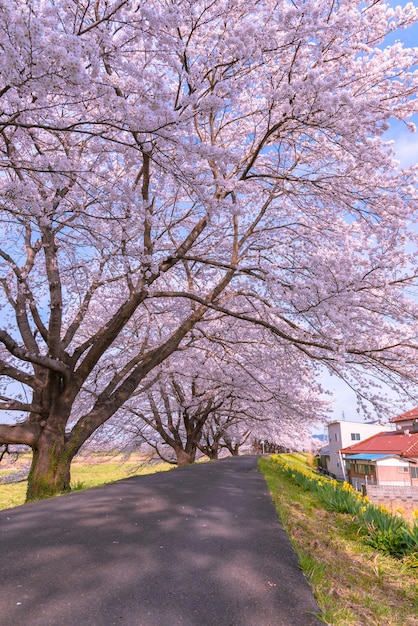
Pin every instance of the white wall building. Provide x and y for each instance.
(344, 434)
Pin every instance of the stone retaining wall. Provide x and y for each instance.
(380, 494)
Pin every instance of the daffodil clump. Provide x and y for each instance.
(377, 526)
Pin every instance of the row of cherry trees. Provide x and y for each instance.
(182, 183)
(229, 393)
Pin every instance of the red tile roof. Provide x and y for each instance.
(404, 417)
(392, 442)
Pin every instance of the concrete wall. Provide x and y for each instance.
(393, 475)
(379, 494)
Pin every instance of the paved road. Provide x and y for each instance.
(198, 546)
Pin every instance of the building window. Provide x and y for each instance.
(355, 436)
(336, 437)
(414, 471)
(362, 468)
(403, 469)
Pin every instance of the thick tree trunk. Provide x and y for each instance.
(184, 458)
(211, 453)
(50, 470)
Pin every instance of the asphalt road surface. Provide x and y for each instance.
(197, 546)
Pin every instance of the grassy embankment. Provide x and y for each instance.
(355, 583)
(86, 472)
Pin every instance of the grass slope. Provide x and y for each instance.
(354, 585)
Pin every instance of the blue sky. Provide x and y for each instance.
(405, 142)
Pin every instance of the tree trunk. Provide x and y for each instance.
(211, 453)
(50, 470)
(184, 458)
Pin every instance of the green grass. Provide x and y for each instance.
(5, 472)
(354, 584)
(85, 474)
(12, 495)
(94, 475)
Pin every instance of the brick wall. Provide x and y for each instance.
(380, 494)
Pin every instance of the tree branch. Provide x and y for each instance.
(25, 433)
(37, 359)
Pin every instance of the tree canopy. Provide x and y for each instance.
(171, 171)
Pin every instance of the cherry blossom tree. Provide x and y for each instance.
(229, 389)
(174, 419)
(165, 166)
(226, 430)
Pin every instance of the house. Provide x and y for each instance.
(386, 458)
(340, 435)
(407, 422)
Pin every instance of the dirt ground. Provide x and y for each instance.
(13, 462)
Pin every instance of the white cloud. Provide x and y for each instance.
(405, 142)
(406, 148)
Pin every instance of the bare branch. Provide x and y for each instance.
(36, 359)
